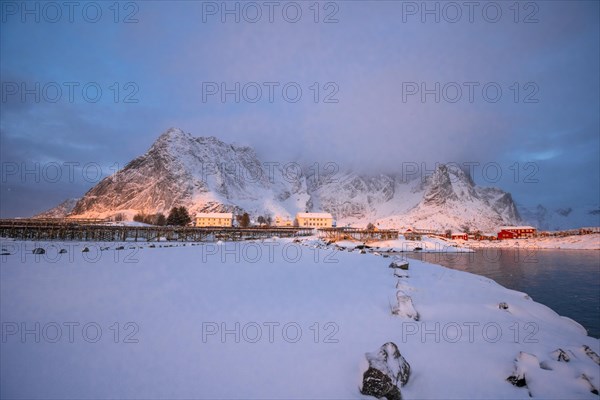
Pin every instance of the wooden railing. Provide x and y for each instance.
(85, 230)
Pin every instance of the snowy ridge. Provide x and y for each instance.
(208, 175)
(60, 211)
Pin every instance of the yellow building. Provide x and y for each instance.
(314, 220)
(283, 221)
(214, 219)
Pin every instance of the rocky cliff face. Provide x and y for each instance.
(206, 174)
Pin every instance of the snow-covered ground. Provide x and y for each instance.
(426, 244)
(271, 319)
(577, 242)
(127, 223)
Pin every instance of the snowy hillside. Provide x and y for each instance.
(206, 174)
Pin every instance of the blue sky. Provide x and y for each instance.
(544, 51)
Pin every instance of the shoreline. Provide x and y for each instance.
(578, 242)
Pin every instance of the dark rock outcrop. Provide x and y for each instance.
(517, 380)
(591, 386)
(378, 384)
(591, 354)
(561, 355)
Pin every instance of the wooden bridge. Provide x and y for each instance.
(94, 230)
(358, 234)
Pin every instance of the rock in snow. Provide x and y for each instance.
(387, 369)
(591, 354)
(378, 384)
(529, 372)
(561, 355)
(591, 386)
(399, 264)
(405, 306)
(523, 363)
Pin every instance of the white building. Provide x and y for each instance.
(314, 220)
(283, 221)
(214, 219)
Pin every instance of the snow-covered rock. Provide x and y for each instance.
(399, 264)
(405, 307)
(591, 354)
(535, 373)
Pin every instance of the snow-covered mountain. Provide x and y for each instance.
(206, 174)
(451, 200)
(566, 217)
(60, 211)
(201, 173)
(446, 199)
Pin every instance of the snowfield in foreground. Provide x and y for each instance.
(270, 320)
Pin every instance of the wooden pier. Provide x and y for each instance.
(363, 235)
(94, 230)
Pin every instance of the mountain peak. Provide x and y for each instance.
(439, 187)
(170, 137)
(173, 132)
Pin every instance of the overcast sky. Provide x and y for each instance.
(384, 85)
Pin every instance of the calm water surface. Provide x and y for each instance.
(568, 281)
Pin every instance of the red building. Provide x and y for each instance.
(516, 232)
(462, 236)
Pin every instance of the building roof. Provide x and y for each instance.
(514, 228)
(314, 215)
(214, 215)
